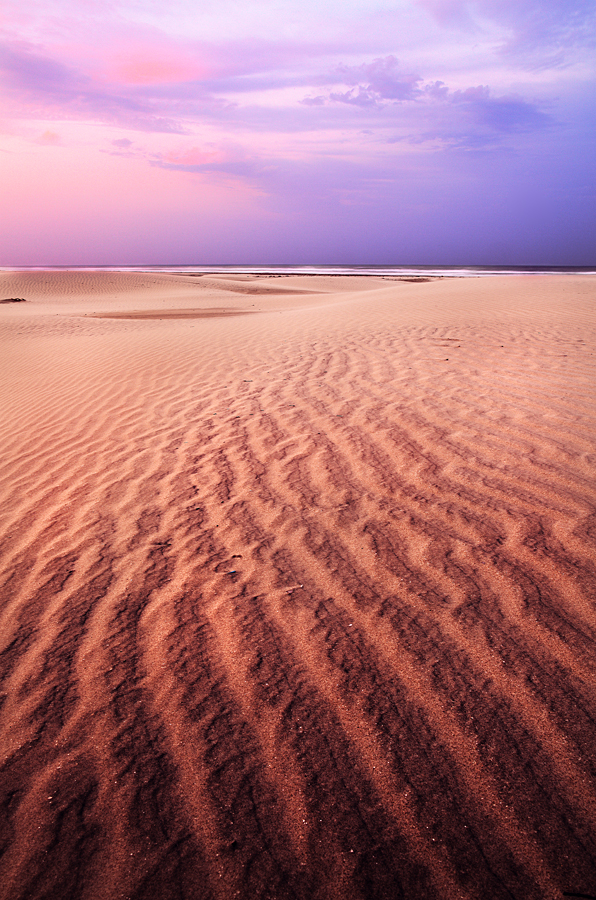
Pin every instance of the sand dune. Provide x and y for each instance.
(301, 603)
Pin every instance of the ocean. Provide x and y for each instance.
(395, 271)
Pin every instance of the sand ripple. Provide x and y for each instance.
(300, 604)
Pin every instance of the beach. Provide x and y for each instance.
(297, 587)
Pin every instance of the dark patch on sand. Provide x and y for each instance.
(212, 313)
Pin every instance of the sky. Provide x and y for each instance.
(296, 132)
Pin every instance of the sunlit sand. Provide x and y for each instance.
(298, 583)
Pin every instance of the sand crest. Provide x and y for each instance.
(297, 587)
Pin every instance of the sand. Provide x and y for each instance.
(298, 587)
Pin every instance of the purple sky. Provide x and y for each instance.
(298, 131)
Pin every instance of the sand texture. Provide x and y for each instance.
(298, 587)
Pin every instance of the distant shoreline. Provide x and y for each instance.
(331, 270)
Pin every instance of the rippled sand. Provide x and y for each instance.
(298, 583)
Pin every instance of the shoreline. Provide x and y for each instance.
(330, 271)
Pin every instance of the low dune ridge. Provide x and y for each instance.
(299, 603)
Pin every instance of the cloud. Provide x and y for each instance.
(249, 91)
(124, 148)
(40, 85)
(382, 77)
(228, 161)
(500, 114)
(472, 119)
(431, 111)
(537, 31)
(375, 82)
(356, 97)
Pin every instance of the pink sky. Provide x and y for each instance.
(412, 131)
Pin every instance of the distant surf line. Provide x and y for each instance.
(272, 270)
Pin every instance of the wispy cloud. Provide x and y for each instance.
(551, 30)
(37, 85)
(226, 161)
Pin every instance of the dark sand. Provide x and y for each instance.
(298, 604)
